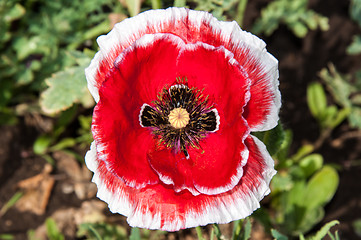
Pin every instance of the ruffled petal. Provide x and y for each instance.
(262, 110)
(192, 27)
(217, 166)
(116, 127)
(172, 168)
(221, 155)
(261, 67)
(122, 144)
(214, 71)
(149, 65)
(159, 207)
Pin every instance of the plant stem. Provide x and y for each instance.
(217, 231)
(156, 4)
(240, 11)
(237, 229)
(179, 3)
(325, 133)
(199, 233)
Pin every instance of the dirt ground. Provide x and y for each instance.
(299, 62)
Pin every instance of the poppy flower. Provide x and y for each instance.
(178, 94)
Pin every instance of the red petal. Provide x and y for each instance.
(192, 27)
(216, 72)
(122, 144)
(172, 168)
(149, 65)
(217, 165)
(222, 154)
(261, 112)
(159, 207)
(128, 86)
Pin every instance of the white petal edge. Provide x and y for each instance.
(128, 31)
(242, 205)
(225, 209)
(268, 62)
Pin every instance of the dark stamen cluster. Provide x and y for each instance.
(202, 117)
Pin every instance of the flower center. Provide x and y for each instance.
(178, 118)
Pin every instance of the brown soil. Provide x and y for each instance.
(299, 62)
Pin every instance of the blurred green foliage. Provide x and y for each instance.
(68, 86)
(38, 38)
(355, 13)
(216, 7)
(346, 92)
(52, 230)
(302, 187)
(102, 231)
(325, 230)
(294, 14)
(328, 116)
(357, 227)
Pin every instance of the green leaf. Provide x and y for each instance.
(52, 230)
(242, 229)
(49, 159)
(282, 153)
(309, 219)
(217, 231)
(89, 230)
(294, 14)
(328, 116)
(263, 216)
(340, 117)
(16, 12)
(355, 117)
(135, 234)
(199, 233)
(355, 47)
(10, 203)
(63, 144)
(179, 3)
(101, 231)
(302, 151)
(281, 182)
(6, 236)
(216, 7)
(335, 236)
(338, 85)
(65, 89)
(324, 230)
(277, 235)
(296, 195)
(237, 227)
(355, 11)
(42, 144)
(321, 188)
(247, 229)
(274, 138)
(299, 29)
(357, 227)
(34, 45)
(311, 163)
(24, 76)
(133, 6)
(345, 93)
(316, 99)
(156, 4)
